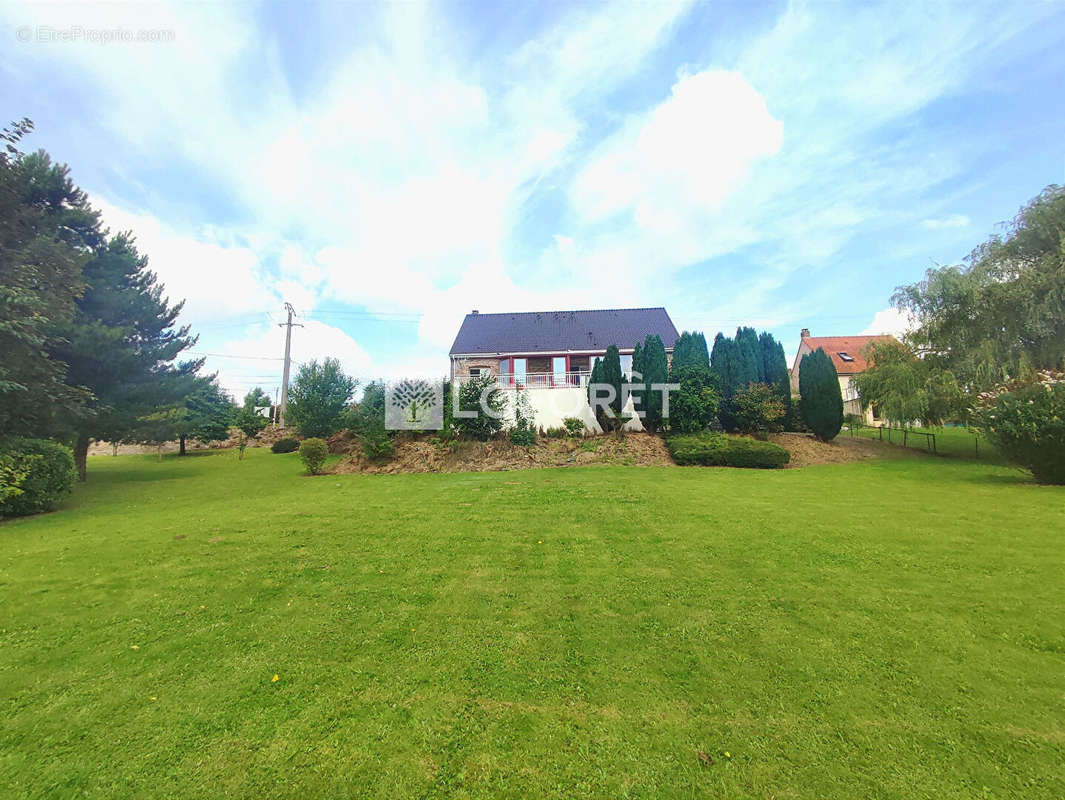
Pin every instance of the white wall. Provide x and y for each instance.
(552, 406)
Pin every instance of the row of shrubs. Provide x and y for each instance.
(710, 449)
(35, 475)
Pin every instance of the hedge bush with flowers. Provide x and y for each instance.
(1025, 420)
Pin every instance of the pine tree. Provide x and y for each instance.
(121, 345)
(822, 400)
(45, 225)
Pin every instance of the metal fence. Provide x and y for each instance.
(899, 436)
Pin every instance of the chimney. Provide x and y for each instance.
(804, 334)
(475, 311)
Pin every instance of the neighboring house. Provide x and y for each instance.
(848, 354)
(553, 350)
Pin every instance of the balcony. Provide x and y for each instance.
(541, 380)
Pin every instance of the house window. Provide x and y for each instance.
(519, 370)
(626, 365)
(845, 356)
(475, 372)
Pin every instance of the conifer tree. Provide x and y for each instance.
(822, 400)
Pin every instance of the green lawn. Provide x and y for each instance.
(882, 629)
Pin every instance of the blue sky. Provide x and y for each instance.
(388, 168)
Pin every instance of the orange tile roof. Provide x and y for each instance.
(853, 346)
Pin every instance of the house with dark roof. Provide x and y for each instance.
(552, 349)
(850, 357)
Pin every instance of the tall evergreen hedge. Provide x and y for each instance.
(822, 400)
(650, 362)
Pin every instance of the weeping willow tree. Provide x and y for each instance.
(1001, 314)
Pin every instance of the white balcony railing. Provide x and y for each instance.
(541, 380)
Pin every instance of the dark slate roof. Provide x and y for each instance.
(559, 331)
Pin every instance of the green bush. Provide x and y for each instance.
(285, 445)
(758, 408)
(377, 445)
(35, 474)
(574, 426)
(481, 425)
(313, 452)
(718, 450)
(694, 407)
(1025, 420)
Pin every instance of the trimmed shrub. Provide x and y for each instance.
(313, 453)
(718, 450)
(822, 399)
(1025, 420)
(35, 475)
(285, 445)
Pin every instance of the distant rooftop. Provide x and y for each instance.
(847, 352)
(561, 331)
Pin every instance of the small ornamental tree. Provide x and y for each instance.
(1025, 420)
(473, 419)
(319, 396)
(822, 400)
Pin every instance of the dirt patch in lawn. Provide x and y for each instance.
(427, 455)
(806, 450)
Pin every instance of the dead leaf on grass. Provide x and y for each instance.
(216, 539)
(180, 536)
(705, 758)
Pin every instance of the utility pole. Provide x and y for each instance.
(288, 360)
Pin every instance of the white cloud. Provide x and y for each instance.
(949, 221)
(680, 161)
(890, 321)
(216, 278)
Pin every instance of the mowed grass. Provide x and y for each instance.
(885, 629)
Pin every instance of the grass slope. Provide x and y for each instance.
(882, 629)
